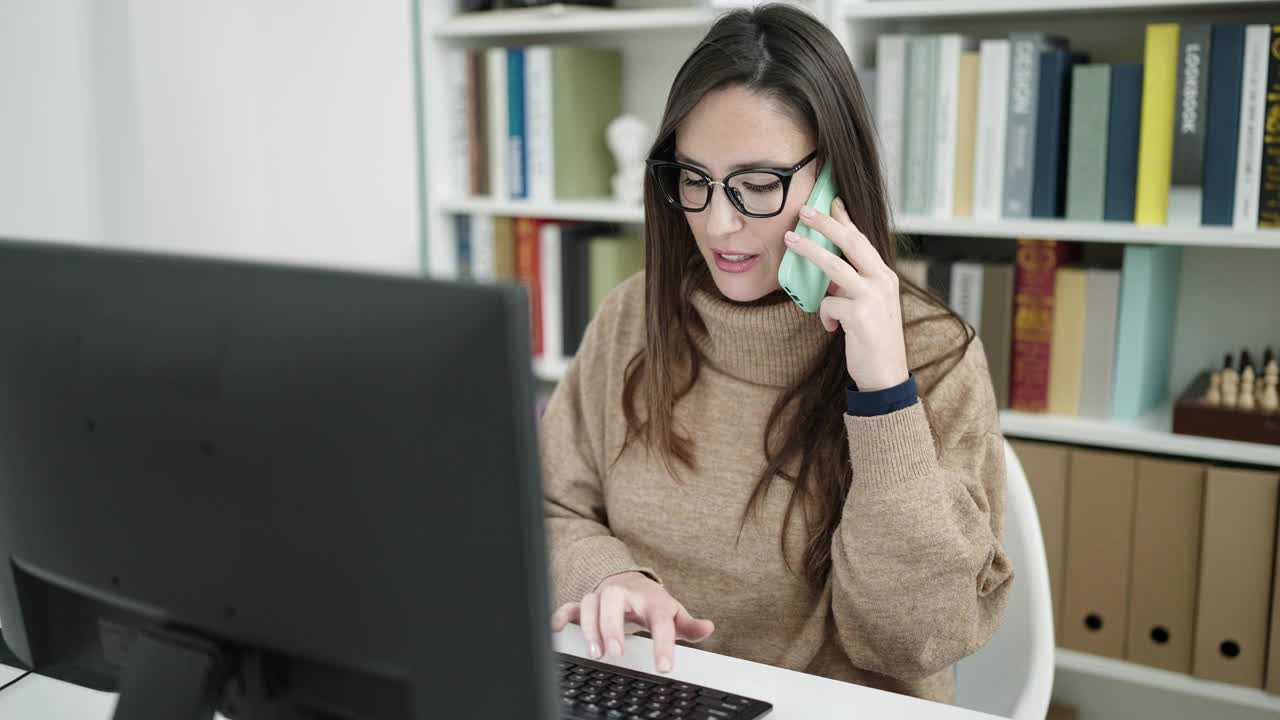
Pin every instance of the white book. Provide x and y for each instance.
(966, 292)
(496, 67)
(1253, 104)
(950, 47)
(1102, 309)
(483, 261)
(458, 130)
(552, 291)
(891, 96)
(993, 110)
(537, 122)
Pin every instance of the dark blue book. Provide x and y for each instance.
(1222, 125)
(1122, 143)
(462, 232)
(518, 158)
(1049, 185)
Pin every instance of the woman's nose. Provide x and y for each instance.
(722, 217)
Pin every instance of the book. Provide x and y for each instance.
(1186, 176)
(551, 286)
(614, 258)
(1049, 185)
(527, 271)
(997, 326)
(516, 167)
(459, 92)
(540, 172)
(951, 50)
(1087, 142)
(966, 292)
(504, 249)
(575, 253)
(1124, 123)
(1222, 124)
(482, 259)
(1253, 102)
(966, 134)
(1025, 49)
(477, 130)
(1155, 143)
(586, 95)
(1102, 308)
(993, 107)
(1144, 331)
(496, 122)
(919, 139)
(1269, 167)
(890, 84)
(1035, 273)
(1066, 347)
(462, 240)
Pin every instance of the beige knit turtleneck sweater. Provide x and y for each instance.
(919, 577)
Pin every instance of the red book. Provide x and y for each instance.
(529, 273)
(1034, 273)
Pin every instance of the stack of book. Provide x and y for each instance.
(529, 122)
(1025, 127)
(568, 269)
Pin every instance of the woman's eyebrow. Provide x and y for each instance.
(681, 157)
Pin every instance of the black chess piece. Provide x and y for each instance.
(1267, 356)
(1228, 362)
(1246, 361)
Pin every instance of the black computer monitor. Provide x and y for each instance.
(270, 489)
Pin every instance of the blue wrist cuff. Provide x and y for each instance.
(883, 402)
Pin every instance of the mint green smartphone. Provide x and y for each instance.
(801, 279)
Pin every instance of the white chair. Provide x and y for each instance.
(1012, 675)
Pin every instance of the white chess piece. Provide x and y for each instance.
(1272, 369)
(1230, 388)
(1269, 400)
(1214, 395)
(1247, 401)
(627, 137)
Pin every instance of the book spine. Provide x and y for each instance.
(1269, 194)
(462, 236)
(1155, 145)
(515, 123)
(482, 254)
(458, 128)
(1048, 186)
(1123, 129)
(1222, 124)
(496, 66)
(950, 48)
(921, 106)
(891, 78)
(1024, 100)
(1087, 142)
(552, 288)
(1034, 275)
(537, 123)
(1185, 191)
(966, 133)
(966, 293)
(1257, 59)
(993, 108)
(529, 275)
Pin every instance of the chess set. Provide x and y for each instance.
(1233, 403)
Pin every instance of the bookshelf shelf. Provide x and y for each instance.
(550, 369)
(558, 19)
(904, 9)
(603, 210)
(1100, 232)
(1165, 681)
(1148, 434)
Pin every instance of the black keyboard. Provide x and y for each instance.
(593, 690)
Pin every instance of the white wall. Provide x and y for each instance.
(280, 130)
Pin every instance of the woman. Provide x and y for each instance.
(827, 488)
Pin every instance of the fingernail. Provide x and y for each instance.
(664, 664)
(790, 238)
(595, 650)
(806, 211)
(615, 648)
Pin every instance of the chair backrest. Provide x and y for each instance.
(1012, 675)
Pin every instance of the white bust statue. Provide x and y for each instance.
(628, 137)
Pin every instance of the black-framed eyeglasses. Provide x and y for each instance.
(755, 192)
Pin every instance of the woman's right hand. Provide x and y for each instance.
(625, 603)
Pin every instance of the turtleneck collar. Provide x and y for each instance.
(766, 343)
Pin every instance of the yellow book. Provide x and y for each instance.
(1155, 140)
(966, 133)
(504, 249)
(1066, 349)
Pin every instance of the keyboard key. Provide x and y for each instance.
(708, 692)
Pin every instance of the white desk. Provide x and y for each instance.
(795, 696)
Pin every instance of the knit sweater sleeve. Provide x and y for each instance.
(919, 575)
(572, 432)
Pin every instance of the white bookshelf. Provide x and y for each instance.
(559, 19)
(603, 210)
(1094, 232)
(900, 9)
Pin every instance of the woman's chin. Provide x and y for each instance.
(747, 288)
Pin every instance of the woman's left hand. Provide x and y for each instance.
(863, 298)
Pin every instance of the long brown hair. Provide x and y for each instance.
(786, 55)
